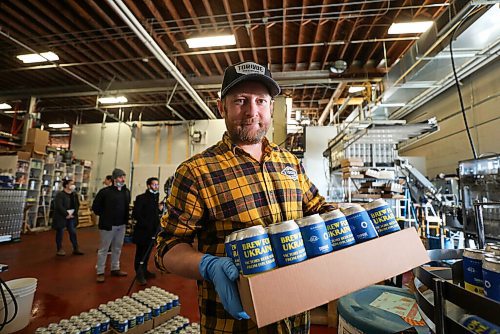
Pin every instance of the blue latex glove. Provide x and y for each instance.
(222, 272)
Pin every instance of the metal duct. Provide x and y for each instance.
(425, 71)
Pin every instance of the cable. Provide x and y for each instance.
(5, 320)
(457, 84)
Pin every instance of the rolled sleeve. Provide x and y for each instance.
(185, 210)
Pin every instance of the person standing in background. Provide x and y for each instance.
(108, 181)
(111, 205)
(147, 214)
(66, 205)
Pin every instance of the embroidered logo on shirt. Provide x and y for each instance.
(290, 172)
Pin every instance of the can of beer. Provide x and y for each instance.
(339, 232)
(360, 223)
(492, 247)
(287, 243)
(122, 325)
(254, 250)
(382, 217)
(491, 277)
(230, 247)
(478, 325)
(315, 236)
(473, 272)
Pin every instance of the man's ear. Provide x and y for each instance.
(220, 107)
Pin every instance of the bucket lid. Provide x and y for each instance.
(21, 283)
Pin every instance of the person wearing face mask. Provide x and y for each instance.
(111, 205)
(66, 207)
(147, 214)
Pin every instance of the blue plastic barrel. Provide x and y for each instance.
(355, 309)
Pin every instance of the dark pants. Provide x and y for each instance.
(142, 253)
(70, 226)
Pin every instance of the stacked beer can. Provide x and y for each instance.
(178, 325)
(482, 270)
(257, 249)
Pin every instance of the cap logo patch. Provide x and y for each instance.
(250, 68)
(290, 172)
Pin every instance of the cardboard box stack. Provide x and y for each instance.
(351, 168)
(37, 142)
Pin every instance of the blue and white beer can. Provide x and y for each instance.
(339, 232)
(360, 223)
(254, 250)
(491, 277)
(288, 246)
(315, 236)
(382, 217)
(230, 248)
(473, 271)
(478, 325)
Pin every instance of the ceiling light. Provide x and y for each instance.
(38, 57)
(112, 99)
(391, 105)
(14, 111)
(58, 125)
(356, 89)
(203, 42)
(339, 66)
(4, 106)
(409, 27)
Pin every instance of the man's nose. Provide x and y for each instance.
(252, 109)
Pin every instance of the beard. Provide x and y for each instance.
(246, 133)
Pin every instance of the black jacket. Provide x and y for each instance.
(62, 202)
(105, 206)
(147, 215)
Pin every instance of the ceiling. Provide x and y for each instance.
(101, 55)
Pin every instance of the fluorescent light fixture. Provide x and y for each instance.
(14, 112)
(5, 106)
(112, 99)
(409, 27)
(391, 105)
(356, 89)
(38, 57)
(58, 125)
(203, 42)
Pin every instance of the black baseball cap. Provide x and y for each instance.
(244, 71)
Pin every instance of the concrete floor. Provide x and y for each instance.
(67, 286)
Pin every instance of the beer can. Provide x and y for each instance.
(315, 236)
(382, 217)
(492, 247)
(254, 250)
(478, 325)
(491, 277)
(473, 272)
(360, 223)
(231, 250)
(287, 243)
(339, 232)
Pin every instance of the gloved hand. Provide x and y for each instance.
(222, 272)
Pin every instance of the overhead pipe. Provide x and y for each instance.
(121, 9)
(341, 86)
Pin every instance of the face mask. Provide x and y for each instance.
(72, 187)
(153, 191)
(119, 184)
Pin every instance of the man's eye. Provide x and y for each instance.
(239, 101)
(262, 101)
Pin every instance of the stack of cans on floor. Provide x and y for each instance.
(178, 325)
(157, 300)
(482, 270)
(257, 249)
(121, 315)
(93, 322)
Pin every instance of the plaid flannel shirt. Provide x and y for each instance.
(224, 189)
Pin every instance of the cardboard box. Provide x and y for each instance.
(22, 155)
(351, 162)
(35, 150)
(162, 318)
(283, 292)
(38, 136)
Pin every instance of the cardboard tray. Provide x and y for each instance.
(283, 292)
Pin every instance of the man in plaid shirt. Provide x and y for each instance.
(243, 180)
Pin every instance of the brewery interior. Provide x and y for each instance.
(389, 105)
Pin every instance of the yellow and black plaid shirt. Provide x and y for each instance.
(224, 189)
